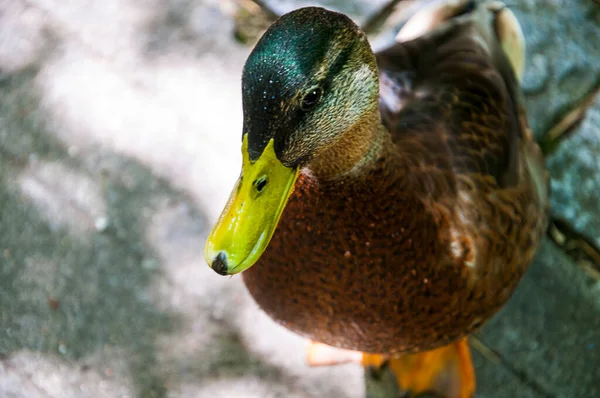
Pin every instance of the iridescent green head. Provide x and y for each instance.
(310, 79)
(311, 76)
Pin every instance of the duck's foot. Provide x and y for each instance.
(446, 370)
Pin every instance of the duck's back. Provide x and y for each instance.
(452, 104)
(451, 95)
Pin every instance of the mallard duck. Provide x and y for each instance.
(388, 203)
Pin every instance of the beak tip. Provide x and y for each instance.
(219, 264)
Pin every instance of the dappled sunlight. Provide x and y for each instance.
(179, 114)
(63, 196)
(31, 374)
(109, 28)
(186, 284)
(23, 39)
(240, 387)
(267, 340)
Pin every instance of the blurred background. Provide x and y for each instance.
(120, 126)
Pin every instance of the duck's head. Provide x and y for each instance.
(309, 82)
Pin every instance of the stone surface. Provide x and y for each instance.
(496, 381)
(563, 59)
(549, 333)
(575, 171)
(119, 143)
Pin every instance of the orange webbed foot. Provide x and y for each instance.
(447, 371)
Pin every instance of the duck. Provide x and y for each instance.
(389, 202)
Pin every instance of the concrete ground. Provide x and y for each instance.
(117, 119)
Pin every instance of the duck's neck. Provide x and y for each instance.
(354, 153)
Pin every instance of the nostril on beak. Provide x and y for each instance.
(219, 264)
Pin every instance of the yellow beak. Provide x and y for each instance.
(250, 217)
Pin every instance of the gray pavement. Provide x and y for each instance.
(117, 119)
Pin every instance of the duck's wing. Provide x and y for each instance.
(451, 95)
(451, 101)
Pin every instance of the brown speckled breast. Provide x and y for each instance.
(367, 268)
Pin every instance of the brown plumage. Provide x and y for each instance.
(427, 237)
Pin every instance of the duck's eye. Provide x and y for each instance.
(311, 99)
(260, 184)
